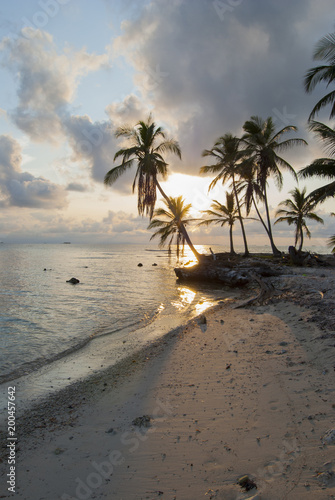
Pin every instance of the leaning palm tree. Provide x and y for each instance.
(227, 154)
(223, 214)
(146, 151)
(169, 225)
(324, 50)
(252, 191)
(298, 209)
(322, 167)
(263, 144)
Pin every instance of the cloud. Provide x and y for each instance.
(54, 227)
(77, 187)
(205, 74)
(129, 111)
(22, 189)
(94, 142)
(47, 80)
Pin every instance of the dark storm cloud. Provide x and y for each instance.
(21, 189)
(206, 73)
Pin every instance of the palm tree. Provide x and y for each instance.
(298, 209)
(262, 144)
(145, 149)
(322, 167)
(170, 224)
(223, 214)
(324, 50)
(252, 190)
(227, 154)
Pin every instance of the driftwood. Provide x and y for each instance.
(306, 258)
(266, 291)
(209, 272)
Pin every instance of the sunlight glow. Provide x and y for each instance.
(194, 190)
(203, 305)
(186, 297)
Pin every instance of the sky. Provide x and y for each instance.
(72, 71)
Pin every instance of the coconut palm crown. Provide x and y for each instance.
(324, 50)
(227, 154)
(223, 214)
(322, 167)
(169, 223)
(263, 143)
(144, 149)
(298, 209)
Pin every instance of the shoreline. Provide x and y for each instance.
(282, 344)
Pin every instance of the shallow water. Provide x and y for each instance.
(44, 318)
(53, 332)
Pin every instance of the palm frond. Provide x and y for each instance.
(327, 99)
(116, 172)
(325, 48)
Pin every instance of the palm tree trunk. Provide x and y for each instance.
(232, 251)
(275, 250)
(301, 239)
(181, 226)
(259, 215)
(246, 250)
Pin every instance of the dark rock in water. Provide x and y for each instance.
(154, 264)
(74, 281)
(140, 265)
(212, 273)
(111, 431)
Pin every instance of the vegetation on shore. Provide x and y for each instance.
(247, 162)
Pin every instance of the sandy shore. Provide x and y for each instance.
(248, 392)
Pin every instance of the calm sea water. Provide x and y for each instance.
(44, 318)
(47, 322)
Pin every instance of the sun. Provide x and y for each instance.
(194, 190)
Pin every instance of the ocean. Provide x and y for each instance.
(53, 333)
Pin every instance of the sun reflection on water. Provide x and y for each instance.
(186, 297)
(188, 259)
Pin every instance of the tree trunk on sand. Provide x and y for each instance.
(181, 226)
(246, 250)
(301, 239)
(232, 251)
(275, 250)
(259, 215)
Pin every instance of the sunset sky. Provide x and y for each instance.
(72, 71)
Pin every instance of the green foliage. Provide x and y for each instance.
(322, 167)
(298, 209)
(147, 143)
(324, 50)
(173, 216)
(223, 214)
